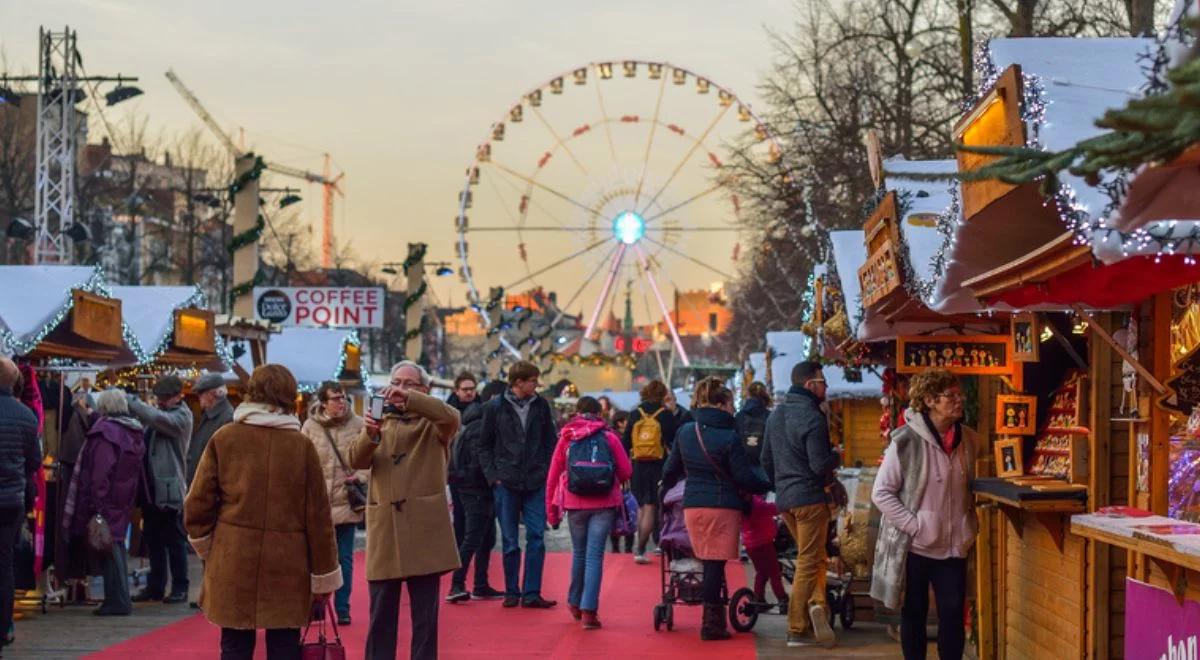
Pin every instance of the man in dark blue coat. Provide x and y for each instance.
(800, 461)
(516, 441)
(20, 457)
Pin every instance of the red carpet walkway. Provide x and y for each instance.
(484, 629)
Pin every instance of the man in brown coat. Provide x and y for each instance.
(409, 534)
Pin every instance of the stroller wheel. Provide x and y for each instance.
(743, 610)
(670, 616)
(659, 616)
(847, 610)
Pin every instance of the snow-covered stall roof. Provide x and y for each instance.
(313, 355)
(791, 348)
(758, 364)
(922, 199)
(35, 299)
(849, 253)
(149, 316)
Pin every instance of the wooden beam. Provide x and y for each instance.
(1160, 422)
(1100, 384)
(1125, 355)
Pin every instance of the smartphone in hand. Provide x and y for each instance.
(376, 407)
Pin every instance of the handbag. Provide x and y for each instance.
(323, 648)
(746, 498)
(356, 493)
(99, 536)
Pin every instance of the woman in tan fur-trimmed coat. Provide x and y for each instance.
(258, 515)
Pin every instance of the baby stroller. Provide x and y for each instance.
(837, 583)
(682, 573)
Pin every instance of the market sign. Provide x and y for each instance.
(1157, 625)
(320, 306)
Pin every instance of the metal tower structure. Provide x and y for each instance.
(58, 132)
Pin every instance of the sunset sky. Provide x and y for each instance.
(400, 93)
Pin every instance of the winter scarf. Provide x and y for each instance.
(260, 414)
(520, 405)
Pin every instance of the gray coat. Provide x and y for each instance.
(797, 454)
(168, 434)
(210, 420)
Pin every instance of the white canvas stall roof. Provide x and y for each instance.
(849, 253)
(758, 364)
(149, 312)
(840, 387)
(313, 355)
(1079, 79)
(32, 297)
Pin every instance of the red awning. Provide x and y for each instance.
(1105, 287)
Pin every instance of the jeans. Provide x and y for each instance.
(809, 526)
(116, 582)
(282, 644)
(949, 580)
(589, 531)
(165, 539)
(513, 507)
(478, 535)
(385, 617)
(11, 521)
(345, 546)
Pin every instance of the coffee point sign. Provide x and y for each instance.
(320, 306)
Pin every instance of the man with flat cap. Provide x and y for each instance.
(215, 412)
(168, 433)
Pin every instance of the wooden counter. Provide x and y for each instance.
(1048, 508)
(1173, 554)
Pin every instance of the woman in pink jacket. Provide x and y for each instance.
(923, 492)
(586, 472)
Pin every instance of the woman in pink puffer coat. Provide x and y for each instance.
(589, 504)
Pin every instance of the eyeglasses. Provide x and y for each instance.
(466, 389)
(338, 398)
(817, 380)
(953, 396)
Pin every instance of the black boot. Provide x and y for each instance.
(713, 627)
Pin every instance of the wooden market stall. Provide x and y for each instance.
(168, 329)
(315, 355)
(1045, 589)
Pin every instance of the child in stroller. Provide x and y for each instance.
(682, 573)
(759, 532)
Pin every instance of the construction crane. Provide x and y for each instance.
(330, 184)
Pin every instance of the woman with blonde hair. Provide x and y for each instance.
(923, 491)
(258, 515)
(720, 477)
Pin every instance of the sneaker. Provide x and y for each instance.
(640, 559)
(176, 598)
(486, 593)
(795, 640)
(146, 596)
(590, 620)
(194, 605)
(343, 618)
(783, 607)
(511, 601)
(538, 603)
(458, 595)
(576, 613)
(658, 551)
(821, 628)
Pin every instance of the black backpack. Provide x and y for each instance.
(590, 469)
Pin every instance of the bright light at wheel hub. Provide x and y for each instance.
(629, 227)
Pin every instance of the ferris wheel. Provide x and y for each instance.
(606, 177)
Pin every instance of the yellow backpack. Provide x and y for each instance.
(647, 438)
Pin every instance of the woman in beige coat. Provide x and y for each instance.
(409, 535)
(258, 515)
(332, 425)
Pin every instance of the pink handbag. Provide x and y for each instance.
(323, 648)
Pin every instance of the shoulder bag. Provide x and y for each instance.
(356, 493)
(746, 498)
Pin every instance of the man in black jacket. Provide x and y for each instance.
(474, 514)
(800, 461)
(20, 457)
(516, 441)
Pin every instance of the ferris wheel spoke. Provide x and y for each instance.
(690, 258)
(687, 157)
(637, 195)
(612, 149)
(604, 291)
(670, 229)
(666, 314)
(689, 200)
(560, 262)
(537, 184)
(534, 228)
(562, 309)
(558, 140)
(526, 193)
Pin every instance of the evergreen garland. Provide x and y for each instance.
(250, 236)
(417, 254)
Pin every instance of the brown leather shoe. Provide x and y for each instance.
(590, 620)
